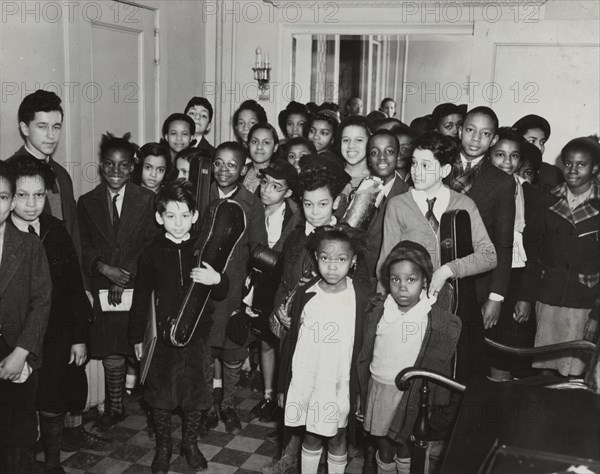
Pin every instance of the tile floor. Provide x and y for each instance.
(244, 453)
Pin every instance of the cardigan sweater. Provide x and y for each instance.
(405, 221)
(437, 348)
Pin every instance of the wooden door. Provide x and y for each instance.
(119, 70)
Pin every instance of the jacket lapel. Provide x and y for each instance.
(99, 212)
(12, 255)
(131, 211)
(560, 207)
(399, 187)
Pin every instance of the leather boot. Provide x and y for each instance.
(189, 445)
(51, 428)
(162, 428)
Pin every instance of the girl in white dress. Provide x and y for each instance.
(323, 343)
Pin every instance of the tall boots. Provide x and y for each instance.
(51, 428)
(189, 445)
(161, 420)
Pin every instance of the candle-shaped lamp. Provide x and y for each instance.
(258, 57)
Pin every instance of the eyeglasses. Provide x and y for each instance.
(230, 165)
(24, 197)
(271, 185)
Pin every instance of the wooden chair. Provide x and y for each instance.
(422, 432)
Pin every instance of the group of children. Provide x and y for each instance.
(85, 284)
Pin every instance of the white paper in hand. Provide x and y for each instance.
(124, 305)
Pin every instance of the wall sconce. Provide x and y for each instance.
(262, 74)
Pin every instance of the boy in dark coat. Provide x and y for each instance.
(176, 375)
(62, 380)
(494, 194)
(40, 123)
(25, 292)
(228, 168)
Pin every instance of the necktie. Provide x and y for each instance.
(115, 212)
(430, 216)
(467, 168)
(31, 229)
(382, 203)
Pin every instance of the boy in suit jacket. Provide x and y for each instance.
(40, 125)
(25, 290)
(228, 168)
(494, 194)
(201, 111)
(117, 223)
(62, 380)
(383, 154)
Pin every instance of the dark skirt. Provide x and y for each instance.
(509, 332)
(62, 386)
(177, 377)
(108, 334)
(18, 417)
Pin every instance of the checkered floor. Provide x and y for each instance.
(244, 453)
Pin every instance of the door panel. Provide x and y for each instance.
(119, 75)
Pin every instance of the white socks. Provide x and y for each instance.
(336, 463)
(310, 460)
(402, 465)
(383, 467)
(399, 466)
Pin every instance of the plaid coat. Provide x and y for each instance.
(568, 268)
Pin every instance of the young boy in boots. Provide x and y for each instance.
(176, 375)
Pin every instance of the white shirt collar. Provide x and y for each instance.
(222, 195)
(121, 196)
(418, 312)
(274, 225)
(23, 225)
(177, 241)
(309, 229)
(442, 200)
(474, 161)
(38, 154)
(385, 190)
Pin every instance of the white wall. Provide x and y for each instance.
(553, 44)
(39, 44)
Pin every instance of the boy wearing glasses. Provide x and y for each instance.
(278, 183)
(25, 289)
(228, 167)
(62, 381)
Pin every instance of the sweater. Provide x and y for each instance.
(405, 221)
(439, 343)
